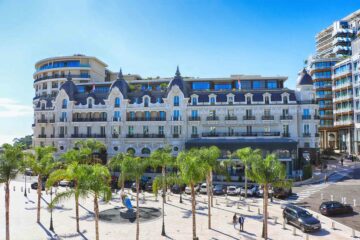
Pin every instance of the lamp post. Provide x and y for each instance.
(25, 194)
(51, 210)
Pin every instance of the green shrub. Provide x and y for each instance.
(307, 171)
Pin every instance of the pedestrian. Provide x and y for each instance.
(342, 161)
(325, 178)
(234, 220)
(241, 221)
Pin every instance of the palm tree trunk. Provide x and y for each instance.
(7, 210)
(96, 210)
(122, 184)
(163, 181)
(245, 182)
(193, 210)
(163, 200)
(265, 218)
(137, 210)
(209, 199)
(211, 190)
(77, 213)
(39, 198)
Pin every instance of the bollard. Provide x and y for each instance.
(216, 202)
(294, 231)
(238, 205)
(275, 220)
(322, 196)
(259, 211)
(333, 225)
(14, 188)
(21, 189)
(354, 202)
(332, 197)
(353, 233)
(307, 236)
(284, 227)
(248, 208)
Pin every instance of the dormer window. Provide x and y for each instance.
(194, 101)
(117, 102)
(212, 100)
(176, 101)
(248, 100)
(90, 103)
(43, 106)
(267, 100)
(64, 104)
(158, 100)
(285, 99)
(146, 102)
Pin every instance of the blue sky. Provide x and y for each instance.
(204, 37)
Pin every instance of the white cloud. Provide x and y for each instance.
(10, 108)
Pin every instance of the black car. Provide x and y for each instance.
(133, 187)
(177, 189)
(334, 208)
(34, 186)
(300, 218)
(282, 193)
(148, 186)
(219, 190)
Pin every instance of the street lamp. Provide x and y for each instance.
(25, 194)
(51, 210)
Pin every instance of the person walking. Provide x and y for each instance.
(241, 221)
(342, 161)
(234, 220)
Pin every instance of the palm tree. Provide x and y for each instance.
(266, 172)
(116, 164)
(96, 181)
(210, 156)
(73, 172)
(10, 163)
(135, 168)
(192, 171)
(162, 158)
(42, 163)
(93, 147)
(246, 155)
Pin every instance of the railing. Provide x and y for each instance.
(42, 136)
(139, 119)
(89, 120)
(51, 120)
(62, 76)
(197, 118)
(249, 118)
(212, 118)
(285, 134)
(115, 135)
(325, 106)
(237, 134)
(88, 136)
(267, 117)
(194, 135)
(324, 96)
(176, 135)
(63, 120)
(230, 118)
(61, 135)
(286, 117)
(62, 66)
(306, 117)
(306, 134)
(42, 121)
(317, 135)
(116, 119)
(145, 135)
(117, 105)
(326, 116)
(316, 117)
(307, 102)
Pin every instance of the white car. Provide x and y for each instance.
(188, 189)
(64, 183)
(232, 190)
(203, 188)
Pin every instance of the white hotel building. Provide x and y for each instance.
(77, 97)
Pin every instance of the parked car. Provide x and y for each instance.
(253, 191)
(334, 208)
(64, 183)
(203, 188)
(232, 191)
(133, 187)
(178, 188)
(34, 186)
(188, 189)
(300, 218)
(29, 172)
(219, 190)
(282, 193)
(128, 184)
(148, 186)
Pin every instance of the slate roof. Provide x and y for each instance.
(304, 78)
(179, 81)
(121, 84)
(69, 87)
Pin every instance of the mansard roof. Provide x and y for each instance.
(179, 81)
(121, 84)
(69, 87)
(304, 78)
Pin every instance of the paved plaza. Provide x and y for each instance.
(178, 220)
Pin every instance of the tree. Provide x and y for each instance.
(96, 182)
(93, 148)
(162, 158)
(73, 172)
(192, 171)
(209, 156)
(25, 142)
(246, 155)
(266, 172)
(135, 168)
(42, 163)
(116, 164)
(10, 163)
(156, 186)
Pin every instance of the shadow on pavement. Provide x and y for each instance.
(225, 234)
(45, 230)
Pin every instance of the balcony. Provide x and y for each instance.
(145, 119)
(145, 135)
(306, 134)
(89, 120)
(61, 76)
(306, 117)
(230, 118)
(42, 121)
(240, 134)
(267, 117)
(212, 118)
(194, 135)
(316, 117)
(197, 118)
(52, 121)
(115, 135)
(285, 134)
(42, 136)
(249, 118)
(61, 135)
(175, 135)
(88, 136)
(78, 65)
(116, 119)
(286, 117)
(63, 120)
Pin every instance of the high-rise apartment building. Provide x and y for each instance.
(77, 97)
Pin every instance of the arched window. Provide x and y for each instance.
(212, 100)
(64, 104)
(194, 101)
(90, 103)
(285, 99)
(146, 102)
(176, 100)
(145, 151)
(267, 99)
(130, 151)
(117, 102)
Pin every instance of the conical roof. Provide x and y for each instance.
(121, 84)
(69, 87)
(304, 78)
(179, 81)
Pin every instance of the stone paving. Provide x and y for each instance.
(178, 220)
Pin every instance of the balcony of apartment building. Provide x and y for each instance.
(343, 110)
(194, 118)
(326, 116)
(145, 116)
(324, 96)
(88, 135)
(56, 76)
(306, 117)
(90, 117)
(285, 134)
(63, 64)
(268, 117)
(240, 134)
(230, 118)
(326, 106)
(316, 117)
(249, 117)
(145, 135)
(212, 118)
(42, 120)
(42, 136)
(343, 97)
(286, 117)
(306, 134)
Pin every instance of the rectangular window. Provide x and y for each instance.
(131, 130)
(88, 131)
(176, 115)
(272, 84)
(306, 129)
(162, 115)
(147, 116)
(102, 131)
(76, 130)
(222, 86)
(194, 130)
(161, 130)
(267, 112)
(117, 116)
(200, 85)
(248, 129)
(258, 84)
(285, 112)
(245, 84)
(306, 112)
(286, 129)
(194, 113)
(194, 101)
(146, 130)
(248, 112)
